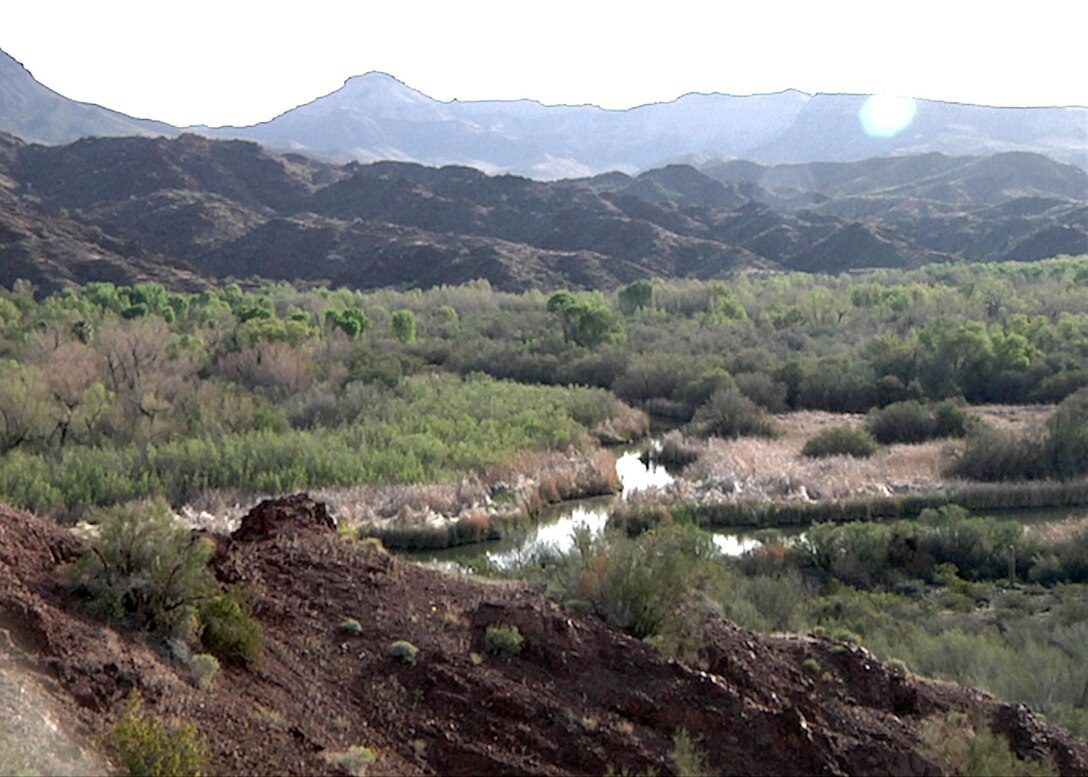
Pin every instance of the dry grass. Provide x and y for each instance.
(757, 468)
(473, 509)
(1059, 531)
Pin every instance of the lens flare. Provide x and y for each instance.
(885, 115)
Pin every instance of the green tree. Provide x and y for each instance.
(352, 322)
(404, 326)
(587, 323)
(635, 296)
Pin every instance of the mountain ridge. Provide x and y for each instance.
(190, 210)
(376, 116)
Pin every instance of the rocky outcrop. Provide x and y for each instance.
(287, 515)
(580, 697)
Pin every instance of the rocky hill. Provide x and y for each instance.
(190, 211)
(580, 698)
(33, 111)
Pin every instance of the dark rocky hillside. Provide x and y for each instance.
(190, 210)
(580, 697)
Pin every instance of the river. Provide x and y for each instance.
(556, 524)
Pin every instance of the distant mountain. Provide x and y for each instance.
(376, 117)
(190, 211)
(36, 113)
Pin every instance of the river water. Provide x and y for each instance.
(556, 524)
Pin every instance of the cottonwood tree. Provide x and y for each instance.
(70, 371)
(142, 371)
(276, 367)
(25, 415)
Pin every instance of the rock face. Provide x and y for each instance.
(287, 515)
(580, 698)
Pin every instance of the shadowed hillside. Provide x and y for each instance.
(182, 210)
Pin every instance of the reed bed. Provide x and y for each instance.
(441, 515)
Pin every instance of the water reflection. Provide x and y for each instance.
(555, 529)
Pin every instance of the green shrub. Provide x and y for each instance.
(404, 651)
(144, 746)
(686, 755)
(145, 569)
(350, 626)
(912, 422)
(897, 665)
(205, 669)
(634, 584)
(950, 419)
(503, 641)
(356, 760)
(900, 422)
(993, 455)
(229, 630)
(839, 441)
(974, 750)
(728, 413)
(1066, 449)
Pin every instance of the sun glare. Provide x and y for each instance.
(885, 115)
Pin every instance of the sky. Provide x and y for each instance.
(230, 62)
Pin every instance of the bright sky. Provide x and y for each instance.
(229, 62)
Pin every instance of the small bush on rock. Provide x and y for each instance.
(503, 641)
(145, 569)
(143, 744)
(404, 651)
(205, 669)
(229, 631)
(356, 760)
(350, 626)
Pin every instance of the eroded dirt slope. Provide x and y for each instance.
(580, 699)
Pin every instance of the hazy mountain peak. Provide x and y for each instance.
(376, 116)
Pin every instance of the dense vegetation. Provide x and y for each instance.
(963, 598)
(112, 393)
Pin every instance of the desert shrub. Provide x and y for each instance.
(950, 419)
(972, 749)
(728, 413)
(686, 755)
(356, 760)
(996, 455)
(503, 640)
(634, 584)
(897, 666)
(764, 390)
(1066, 449)
(911, 421)
(900, 422)
(144, 746)
(145, 569)
(404, 651)
(840, 440)
(350, 626)
(204, 669)
(229, 630)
